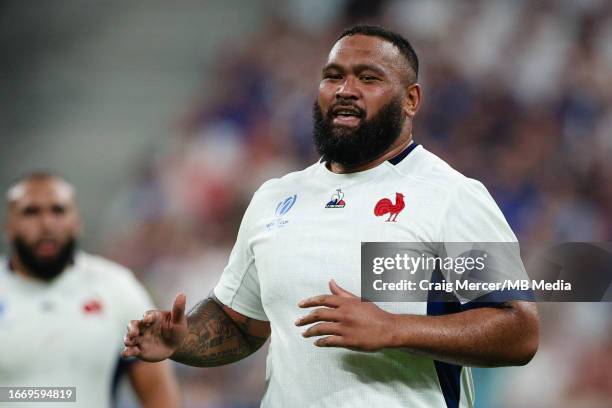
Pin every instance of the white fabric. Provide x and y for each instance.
(49, 339)
(280, 259)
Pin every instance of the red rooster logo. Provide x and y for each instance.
(92, 306)
(385, 206)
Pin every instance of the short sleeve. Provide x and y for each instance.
(473, 216)
(131, 298)
(473, 227)
(239, 287)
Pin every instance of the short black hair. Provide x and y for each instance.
(402, 44)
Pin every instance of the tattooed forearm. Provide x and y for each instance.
(214, 338)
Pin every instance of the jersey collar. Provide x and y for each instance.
(395, 159)
(403, 154)
(364, 175)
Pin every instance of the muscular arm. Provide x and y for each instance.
(485, 337)
(155, 384)
(219, 335)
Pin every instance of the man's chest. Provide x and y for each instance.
(308, 238)
(74, 328)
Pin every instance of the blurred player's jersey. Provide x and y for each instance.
(306, 228)
(68, 332)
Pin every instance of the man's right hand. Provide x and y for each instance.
(159, 334)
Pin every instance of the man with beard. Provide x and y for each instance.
(301, 235)
(63, 311)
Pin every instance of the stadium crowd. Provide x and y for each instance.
(516, 94)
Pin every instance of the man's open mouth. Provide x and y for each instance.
(346, 116)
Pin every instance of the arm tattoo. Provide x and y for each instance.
(214, 338)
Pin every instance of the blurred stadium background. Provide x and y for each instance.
(168, 115)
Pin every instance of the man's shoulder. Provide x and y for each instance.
(288, 181)
(98, 266)
(432, 171)
(115, 283)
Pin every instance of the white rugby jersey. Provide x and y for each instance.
(69, 332)
(305, 228)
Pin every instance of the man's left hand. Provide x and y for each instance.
(346, 321)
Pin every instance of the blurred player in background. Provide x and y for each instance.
(294, 243)
(63, 311)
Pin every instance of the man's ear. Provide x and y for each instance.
(412, 102)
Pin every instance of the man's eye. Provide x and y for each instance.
(368, 78)
(332, 76)
(30, 211)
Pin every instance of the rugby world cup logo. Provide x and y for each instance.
(281, 209)
(284, 206)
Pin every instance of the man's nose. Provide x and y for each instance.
(348, 89)
(48, 221)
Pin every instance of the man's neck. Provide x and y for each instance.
(400, 144)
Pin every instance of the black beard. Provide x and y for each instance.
(370, 140)
(42, 268)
